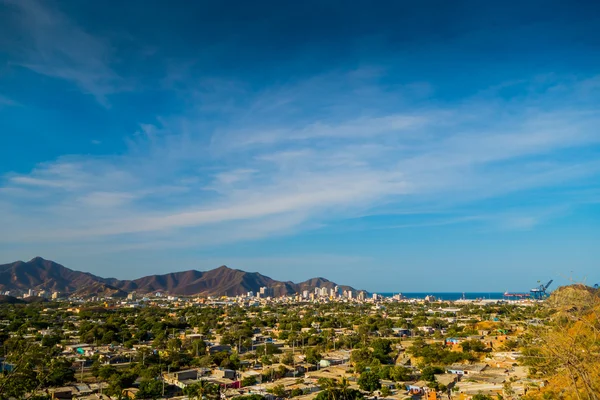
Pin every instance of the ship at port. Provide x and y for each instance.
(538, 292)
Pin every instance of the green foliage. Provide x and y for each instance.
(33, 366)
(249, 381)
(270, 349)
(480, 396)
(287, 358)
(202, 389)
(473, 345)
(369, 381)
(278, 390)
(385, 391)
(383, 346)
(510, 345)
(437, 353)
(250, 397)
(312, 355)
(149, 389)
(362, 356)
(339, 394)
(428, 373)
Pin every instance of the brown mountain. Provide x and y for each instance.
(40, 274)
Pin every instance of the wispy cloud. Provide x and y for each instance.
(181, 185)
(52, 44)
(5, 101)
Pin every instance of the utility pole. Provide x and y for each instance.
(293, 358)
(163, 383)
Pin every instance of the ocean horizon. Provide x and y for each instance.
(448, 295)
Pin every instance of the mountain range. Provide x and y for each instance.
(41, 274)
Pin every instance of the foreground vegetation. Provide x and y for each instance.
(140, 345)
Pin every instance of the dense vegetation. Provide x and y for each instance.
(152, 340)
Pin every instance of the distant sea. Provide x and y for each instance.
(450, 295)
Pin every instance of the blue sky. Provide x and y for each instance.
(402, 146)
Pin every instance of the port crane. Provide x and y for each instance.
(540, 291)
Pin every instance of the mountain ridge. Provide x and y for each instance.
(41, 274)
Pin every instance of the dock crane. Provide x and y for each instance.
(540, 291)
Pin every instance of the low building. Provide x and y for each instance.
(466, 369)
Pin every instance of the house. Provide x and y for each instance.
(466, 369)
(388, 384)
(217, 348)
(130, 393)
(448, 380)
(186, 377)
(426, 329)
(452, 341)
(419, 387)
(62, 393)
(402, 332)
(252, 374)
(224, 373)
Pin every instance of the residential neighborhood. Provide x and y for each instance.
(302, 346)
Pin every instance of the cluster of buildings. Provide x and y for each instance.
(318, 293)
(32, 293)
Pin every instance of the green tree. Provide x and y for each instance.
(312, 355)
(287, 358)
(250, 397)
(369, 381)
(278, 390)
(200, 390)
(249, 381)
(339, 394)
(149, 389)
(473, 345)
(385, 391)
(428, 373)
(481, 396)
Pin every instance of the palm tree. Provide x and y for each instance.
(344, 385)
(330, 386)
(200, 390)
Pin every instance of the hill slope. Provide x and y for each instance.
(40, 274)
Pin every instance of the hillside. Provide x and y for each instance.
(40, 274)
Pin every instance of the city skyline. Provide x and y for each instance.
(431, 147)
